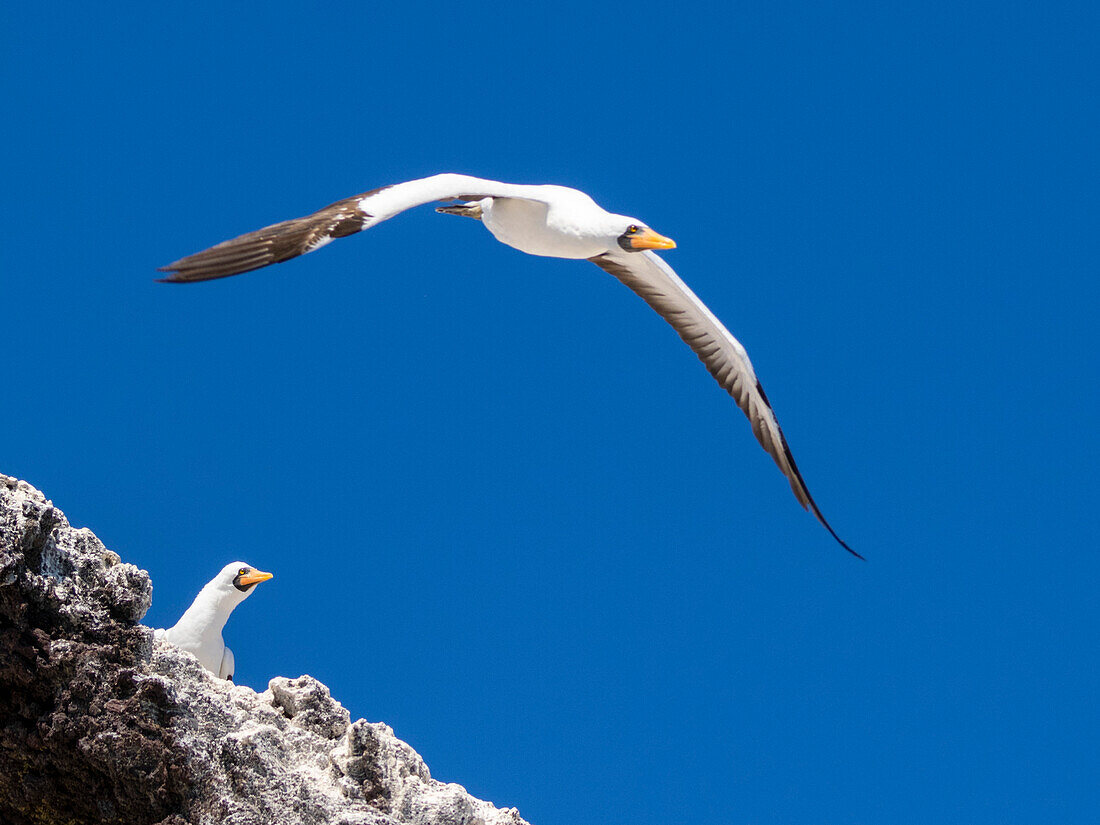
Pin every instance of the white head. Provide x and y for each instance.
(235, 583)
(632, 235)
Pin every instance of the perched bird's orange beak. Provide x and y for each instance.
(648, 239)
(255, 577)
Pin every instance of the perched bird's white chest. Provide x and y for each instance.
(199, 631)
(555, 230)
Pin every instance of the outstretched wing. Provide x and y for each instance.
(289, 239)
(721, 353)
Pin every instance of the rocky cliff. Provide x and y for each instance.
(99, 724)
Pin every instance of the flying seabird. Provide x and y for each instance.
(552, 221)
(199, 629)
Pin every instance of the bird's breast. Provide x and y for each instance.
(530, 227)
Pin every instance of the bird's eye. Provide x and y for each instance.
(631, 230)
(242, 571)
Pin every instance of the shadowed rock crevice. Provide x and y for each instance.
(100, 725)
(84, 733)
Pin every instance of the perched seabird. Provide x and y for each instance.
(552, 221)
(199, 629)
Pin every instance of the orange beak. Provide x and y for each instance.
(255, 577)
(648, 239)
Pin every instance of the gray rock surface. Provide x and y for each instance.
(99, 724)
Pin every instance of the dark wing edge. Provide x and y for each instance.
(695, 328)
(272, 244)
(797, 474)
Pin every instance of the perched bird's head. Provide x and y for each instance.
(634, 236)
(237, 580)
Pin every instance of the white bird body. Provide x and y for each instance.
(199, 630)
(545, 220)
(569, 226)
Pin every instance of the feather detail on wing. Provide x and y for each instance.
(228, 665)
(722, 354)
(289, 239)
(270, 245)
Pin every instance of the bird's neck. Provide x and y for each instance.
(208, 614)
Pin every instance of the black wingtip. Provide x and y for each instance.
(817, 512)
(809, 499)
(841, 541)
(179, 276)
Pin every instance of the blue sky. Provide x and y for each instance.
(508, 511)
